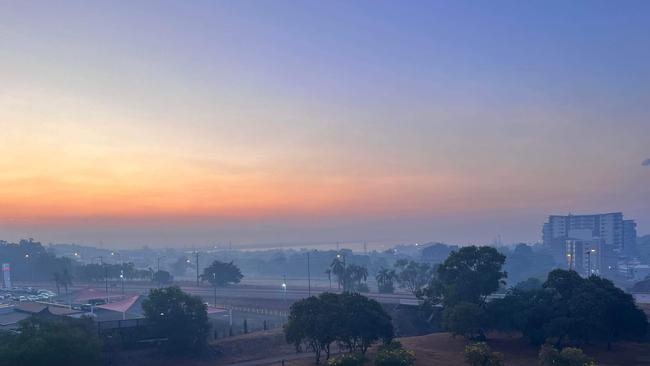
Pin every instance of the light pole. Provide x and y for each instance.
(197, 267)
(308, 276)
(121, 269)
(101, 261)
(29, 269)
(284, 289)
(570, 261)
(214, 282)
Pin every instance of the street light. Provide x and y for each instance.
(284, 290)
(121, 269)
(101, 261)
(214, 280)
(29, 269)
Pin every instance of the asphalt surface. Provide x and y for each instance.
(233, 292)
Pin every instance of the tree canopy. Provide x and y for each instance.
(570, 307)
(350, 319)
(178, 317)
(222, 273)
(56, 342)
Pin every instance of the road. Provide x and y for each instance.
(276, 295)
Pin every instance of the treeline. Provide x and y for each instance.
(31, 261)
(565, 309)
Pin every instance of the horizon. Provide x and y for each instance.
(186, 125)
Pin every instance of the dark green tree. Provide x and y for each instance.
(181, 265)
(56, 342)
(222, 274)
(465, 319)
(386, 280)
(467, 275)
(178, 317)
(412, 275)
(350, 319)
(162, 278)
(572, 308)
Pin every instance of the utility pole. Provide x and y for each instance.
(158, 268)
(101, 259)
(308, 275)
(197, 267)
(214, 278)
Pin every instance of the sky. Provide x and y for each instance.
(188, 123)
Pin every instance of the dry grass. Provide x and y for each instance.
(441, 349)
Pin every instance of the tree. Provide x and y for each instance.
(467, 275)
(479, 354)
(550, 356)
(466, 319)
(413, 275)
(569, 307)
(352, 320)
(181, 265)
(312, 322)
(355, 277)
(222, 273)
(337, 267)
(162, 278)
(56, 342)
(385, 280)
(178, 317)
(362, 322)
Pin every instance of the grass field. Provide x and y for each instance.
(441, 349)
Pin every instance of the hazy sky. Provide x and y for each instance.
(198, 122)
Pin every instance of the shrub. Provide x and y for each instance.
(394, 355)
(348, 359)
(479, 354)
(550, 356)
(392, 344)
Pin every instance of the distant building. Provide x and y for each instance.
(629, 237)
(615, 236)
(6, 275)
(584, 256)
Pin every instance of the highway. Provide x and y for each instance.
(274, 295)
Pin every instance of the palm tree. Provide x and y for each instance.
(329, 276)
(385, 280)
(338, 268)
(66, 280)
(57, 282)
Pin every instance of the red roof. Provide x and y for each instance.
(92, 294)
(214, 310)
(122, 306)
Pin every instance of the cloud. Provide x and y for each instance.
(646, 162)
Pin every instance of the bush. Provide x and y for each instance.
(348, 359)
(550, 356)
(393, 344)
(393, 354)
(479, 354)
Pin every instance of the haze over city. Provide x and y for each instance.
(130, 124)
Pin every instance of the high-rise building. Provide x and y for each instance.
(609, 229)
(584, 256)
(629, 237)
